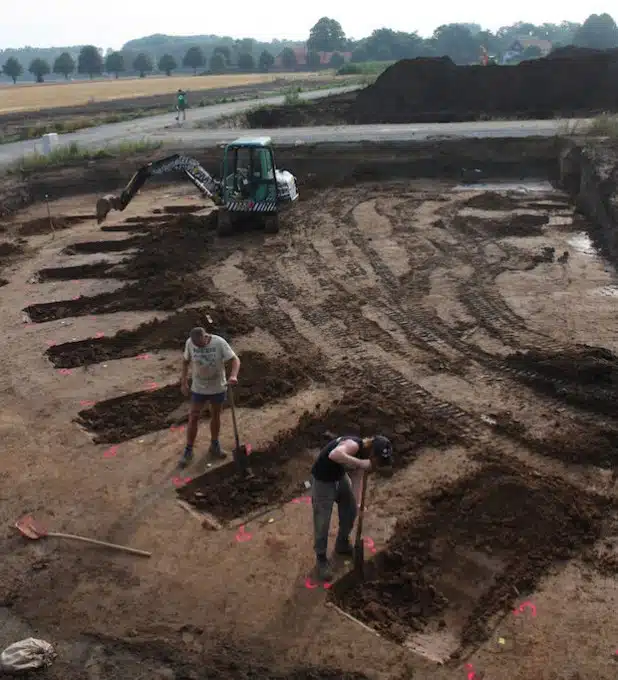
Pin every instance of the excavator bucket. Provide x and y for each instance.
(103, 207)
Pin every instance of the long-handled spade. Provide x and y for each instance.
(241, 451)
(359, 548)
(30, 528)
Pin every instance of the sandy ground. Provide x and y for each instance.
(406, 290)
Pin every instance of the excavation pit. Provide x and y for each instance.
(282, 468)
(446, 574)
(167, 333)
(262, 381)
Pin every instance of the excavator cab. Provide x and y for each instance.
(249, 178)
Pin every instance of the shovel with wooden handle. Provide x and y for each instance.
(359, 547)
(241, 451)
(30, 528)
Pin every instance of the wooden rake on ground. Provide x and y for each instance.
(30, 528)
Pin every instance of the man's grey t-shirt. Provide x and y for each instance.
(208, 365)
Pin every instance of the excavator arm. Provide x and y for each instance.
(209, 186)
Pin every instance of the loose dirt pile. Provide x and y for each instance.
(168, 333)
(506, 526)
(586, 377)
(570, 83)
(421, 89)
(262, 380)
(281, 468)
(524, 224)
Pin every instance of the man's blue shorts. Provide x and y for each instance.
(197, 398)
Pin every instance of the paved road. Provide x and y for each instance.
(160, 125)
(163, 128)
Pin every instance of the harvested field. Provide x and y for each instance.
(442, 315)
(27, 97)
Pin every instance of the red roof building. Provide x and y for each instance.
(301, 57)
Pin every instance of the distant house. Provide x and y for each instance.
(301, 57)
(520, 45)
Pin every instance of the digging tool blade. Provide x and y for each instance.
(359, 547)
(241, 451)
(104, 205)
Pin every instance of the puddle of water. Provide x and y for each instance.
(582, 244)
(523, 186)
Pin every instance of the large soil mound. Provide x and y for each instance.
(571, 82)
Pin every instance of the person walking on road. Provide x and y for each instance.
(181, 105)
(336, 477)
(207, 355)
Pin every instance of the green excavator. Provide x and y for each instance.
(251, 188)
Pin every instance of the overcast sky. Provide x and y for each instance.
(73, 22)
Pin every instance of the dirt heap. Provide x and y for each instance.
(425, 89)
(586, 377)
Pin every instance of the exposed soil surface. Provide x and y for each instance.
(89, 247)
(262, 380)
(281, 469)
(41, 225)
(97, 270)
(436, 90)
(514, 225)
(585, 376)
(163, 294)
(503, 528)
(168, 333)
(167, 254)
(8, 248)
(390, 307)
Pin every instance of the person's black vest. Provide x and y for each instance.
(326, 470)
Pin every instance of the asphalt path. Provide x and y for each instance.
(163, 128)
(161, 125)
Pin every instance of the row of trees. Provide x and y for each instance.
(92, 63)
(462, 42)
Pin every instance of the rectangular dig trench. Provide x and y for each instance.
(262, 381)
(585, 377)
(281, 468)
(161, 267)
(480, 542)
(167, 333)
(170, 294)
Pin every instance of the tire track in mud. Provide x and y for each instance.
(493, 312)
(422, 327)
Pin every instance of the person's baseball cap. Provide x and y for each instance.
(382, 449)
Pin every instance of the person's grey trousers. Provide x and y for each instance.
(323, 496)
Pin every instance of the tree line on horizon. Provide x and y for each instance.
(463, 43)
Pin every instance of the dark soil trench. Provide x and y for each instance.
(262, 381)
(477, 544)
(168, 333)
(281, 469)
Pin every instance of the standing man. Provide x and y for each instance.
(181, 104)
(331, 484)
(207, 355)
